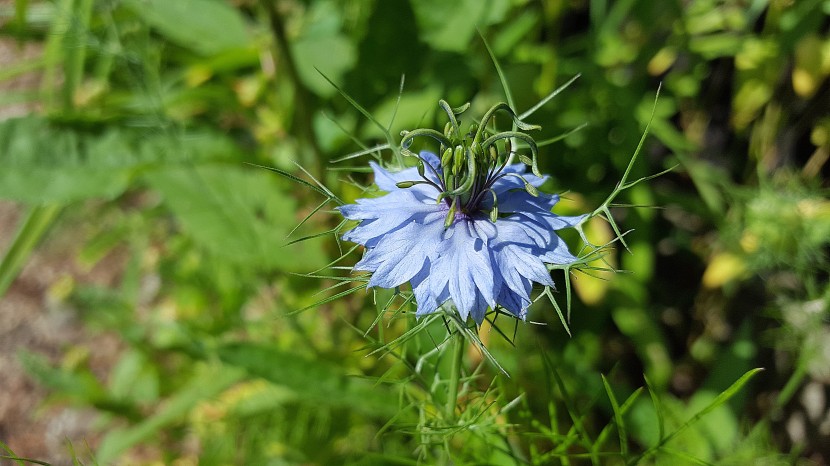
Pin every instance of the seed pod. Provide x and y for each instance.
(457, 159)
(446, 158)
(531, 189)
(451, 213)
(494, 154)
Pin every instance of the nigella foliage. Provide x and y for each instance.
(469, 230)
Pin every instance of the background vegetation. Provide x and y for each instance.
(130, 162)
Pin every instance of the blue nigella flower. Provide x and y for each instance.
(482, 246)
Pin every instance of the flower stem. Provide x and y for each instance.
(304, 101)
(455, 373)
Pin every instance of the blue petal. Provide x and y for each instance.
(515, 262)
(400, 255)
(427, 303)
(511, 182)
(479, 309)
(521, 201)
(399, 203)
(369, 232)
(553, 221)
(433, 161)
(464, 267)
(514, 303)
(538, 226)
(387, 180)
(516, 229)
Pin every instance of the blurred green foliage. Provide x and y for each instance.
(147, 110)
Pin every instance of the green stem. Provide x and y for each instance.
(455, 374)
(304, 102)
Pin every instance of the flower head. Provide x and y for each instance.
(468, 228)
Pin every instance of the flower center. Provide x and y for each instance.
(472, 162)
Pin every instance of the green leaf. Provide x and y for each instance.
(647, 337)
(411, 110)
(449, 26)
(333, 55)
(45, 162)
(239, 214)
(313, 380)
(204, 26)
(134, 378)
(320, 47)
(207, 383)
(80, 385)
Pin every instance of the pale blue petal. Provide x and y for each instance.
(513, 302)
(387, 180)
(553, 221)
(479, 309)
(521, 201)
(404, 253)
(515, 261)
(511, 182)
(464, 267)
(427, 302)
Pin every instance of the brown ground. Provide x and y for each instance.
(28, 426)
(33, 320)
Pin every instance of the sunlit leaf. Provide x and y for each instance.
(240, 214)
(205, 26)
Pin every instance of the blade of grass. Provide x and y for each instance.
(502, 78)
(295, 179)
(687, 458)
(722, 398)
(353, 155)
(12, 456)
(305, 219)
(658, 408)
(558, 310)
(562, 136)
(330, 299)
(16, 69)
(547, 98)
(576, 418)
(205, 385)
(34, 226)
(618, 418)
(397, 104)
